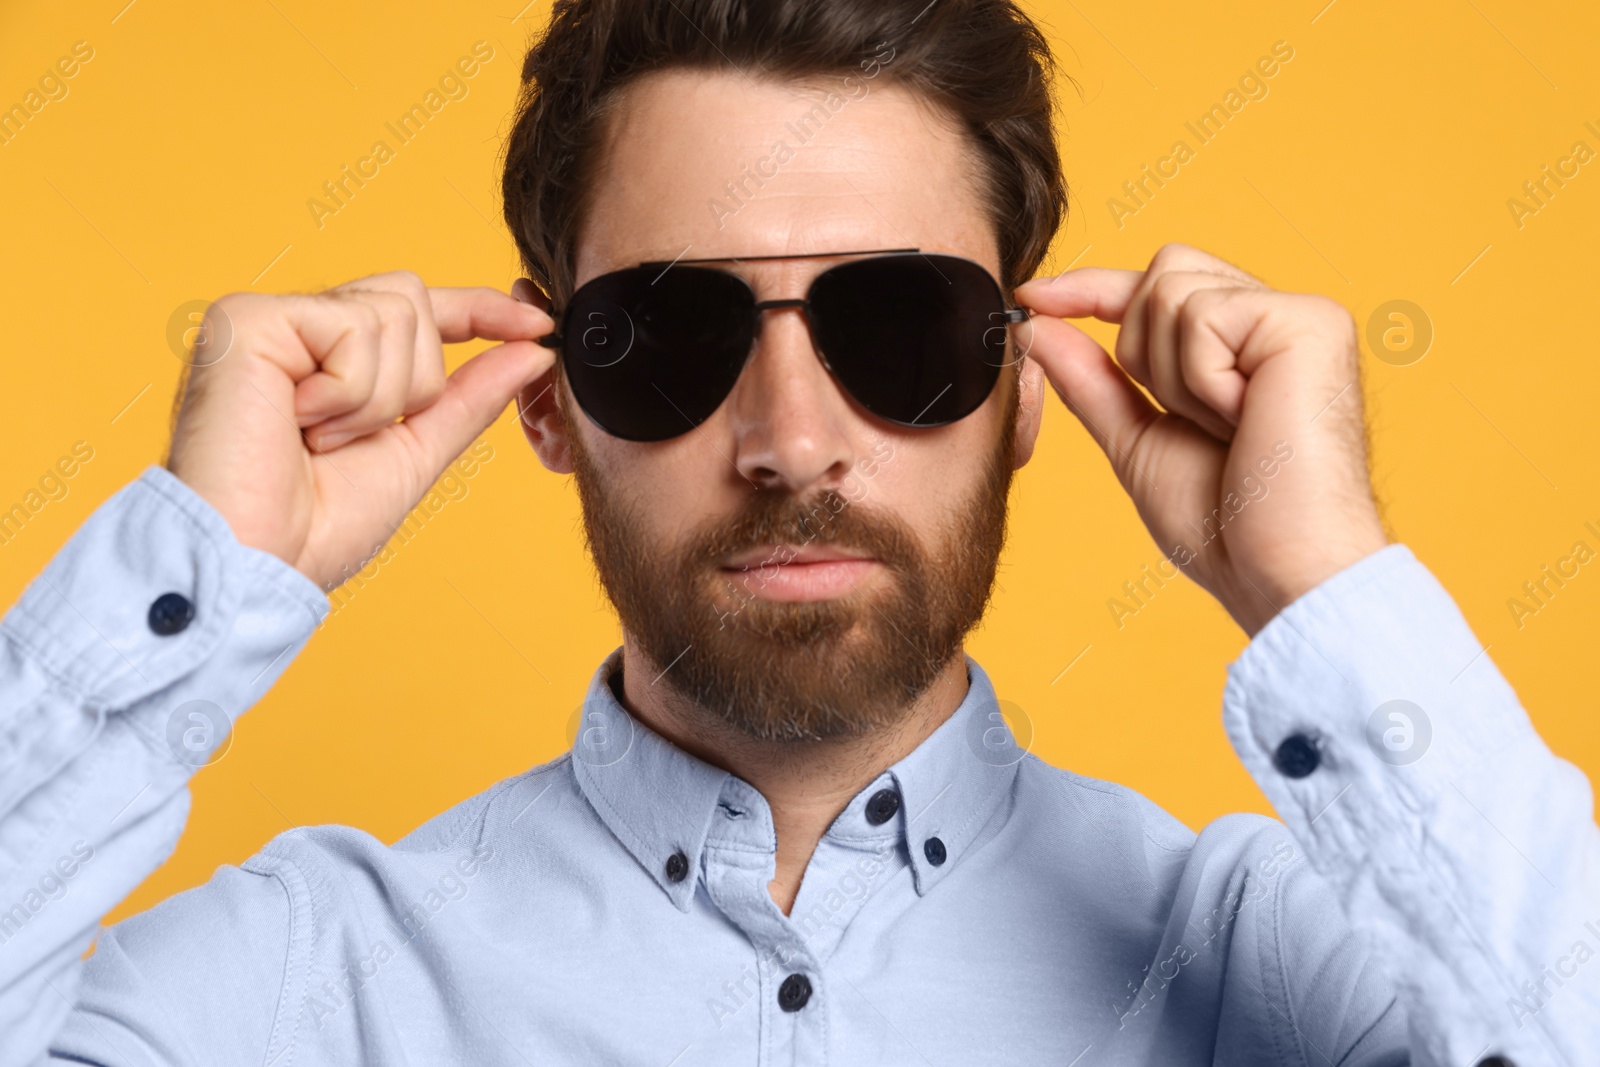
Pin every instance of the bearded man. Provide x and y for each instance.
(779, 324)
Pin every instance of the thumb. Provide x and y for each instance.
(1095, 389)
(474, 396)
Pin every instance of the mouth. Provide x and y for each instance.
(797, 573)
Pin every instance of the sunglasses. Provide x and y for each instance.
(652, 351)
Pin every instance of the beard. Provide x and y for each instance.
(815, 670)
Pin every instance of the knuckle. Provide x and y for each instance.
(1198, 308)
(1170, 253)
(1167, 294)
(409, 284)
(397, 310)
(1326, 312)
(1216, 296)
(1336, 312)
(359, 314)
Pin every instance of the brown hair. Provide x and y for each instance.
(983, 62)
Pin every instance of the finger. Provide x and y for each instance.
(1182, 257)
(463, 314)
(473, 397)
(341, 332)
(397, 318)
(1133, 343)
(1109, 405)
(1248, 328)
(1174, 364)
(1132, 347)
(427, 355)
(1209, 358)
(1088, 292)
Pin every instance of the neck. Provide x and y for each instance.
(806, 784)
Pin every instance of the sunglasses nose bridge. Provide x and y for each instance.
(791, 302)
(803, 305)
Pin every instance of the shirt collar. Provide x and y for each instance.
(659, 800)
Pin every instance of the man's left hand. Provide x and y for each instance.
(1254, 478)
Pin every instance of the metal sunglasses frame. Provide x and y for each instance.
(1010, 316)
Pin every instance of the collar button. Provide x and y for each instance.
(881, 806)
(933, 848)
(677, 867)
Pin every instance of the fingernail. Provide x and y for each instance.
(329, 442)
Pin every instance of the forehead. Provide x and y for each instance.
(710, 164)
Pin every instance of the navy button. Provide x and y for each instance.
(677, 867)
(882, 805)
(171, 613)
(794, 992)
(1297, 756)
(933, 848)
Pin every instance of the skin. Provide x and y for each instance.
(292, 435)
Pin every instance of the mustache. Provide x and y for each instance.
(776, 517)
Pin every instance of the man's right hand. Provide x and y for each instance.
(291, 434)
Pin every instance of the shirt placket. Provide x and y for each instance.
(790, 993)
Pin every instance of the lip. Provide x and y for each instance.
(796, 573)
(786, 555)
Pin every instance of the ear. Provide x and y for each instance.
(540, 415)
(1030, 409)
(543, 425)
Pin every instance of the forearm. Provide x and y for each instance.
(103, 720)
(1452, 831)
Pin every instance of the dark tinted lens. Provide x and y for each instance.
(652, 353)
(916, 339)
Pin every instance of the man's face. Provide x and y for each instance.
(794, 566)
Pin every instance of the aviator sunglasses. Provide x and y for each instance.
(652, 351)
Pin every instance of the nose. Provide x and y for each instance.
(792, 427)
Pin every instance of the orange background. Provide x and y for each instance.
(1378, 167)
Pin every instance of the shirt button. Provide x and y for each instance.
(170, 614)
(882, 805)
(933, 848)
(1297, 756)
(677, 867)
(794, 992)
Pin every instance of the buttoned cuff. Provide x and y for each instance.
(87, 620)
(1390, 744)
(1356, 706)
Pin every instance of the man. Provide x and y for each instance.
(792, 827)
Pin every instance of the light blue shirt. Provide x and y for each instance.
(973, 904)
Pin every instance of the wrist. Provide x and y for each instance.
(1263, 592)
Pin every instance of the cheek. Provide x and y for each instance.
(670, 488)
(923, 477)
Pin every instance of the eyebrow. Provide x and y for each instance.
(790, 255)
